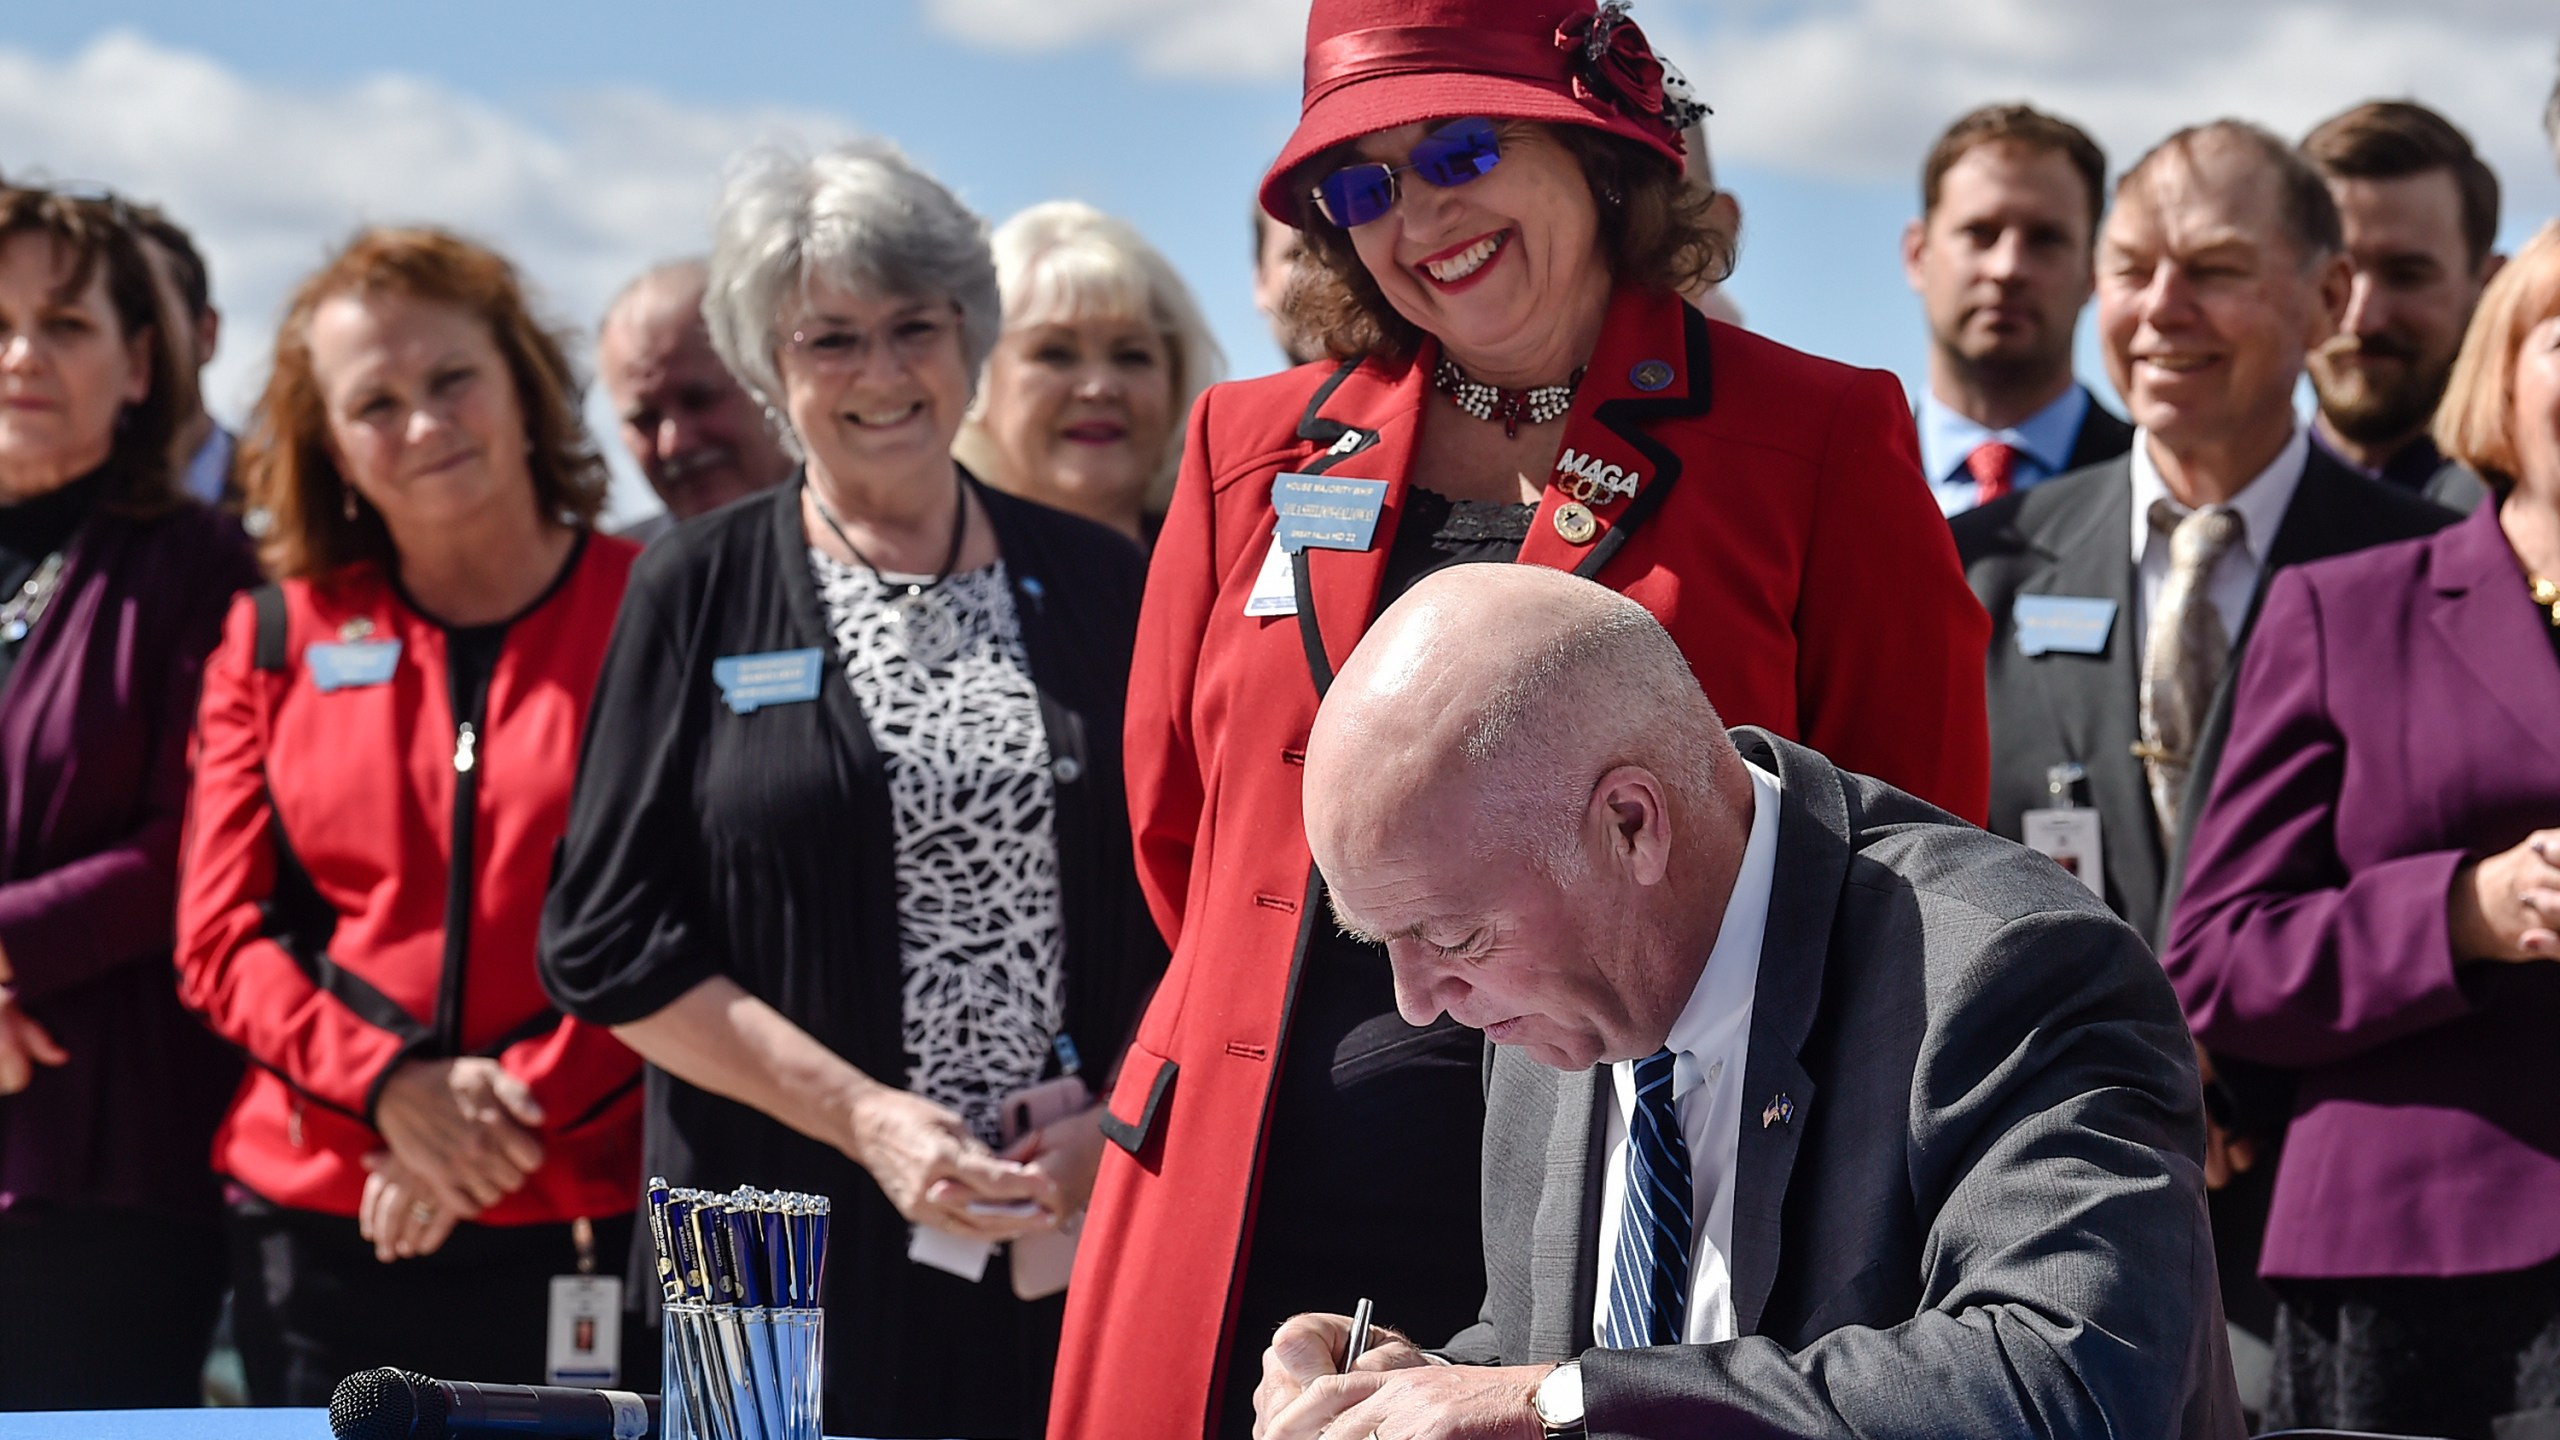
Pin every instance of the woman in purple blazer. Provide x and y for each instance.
(112, 590)
(2373, 902)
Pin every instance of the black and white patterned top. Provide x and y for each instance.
(979, 923)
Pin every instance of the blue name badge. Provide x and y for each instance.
(352, 665)
(2072, 624)
(748, 683)
(1320, 513)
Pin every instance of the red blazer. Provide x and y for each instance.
(317, 865)
(1779, 527)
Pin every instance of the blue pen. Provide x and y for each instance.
(744, 1272)
(777, 1251)
(657, 1206)
(818, 1223)
(690, 1281)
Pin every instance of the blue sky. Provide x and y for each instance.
(585, 137)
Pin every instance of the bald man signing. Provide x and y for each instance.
(1813, 1110)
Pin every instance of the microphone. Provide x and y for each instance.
(392, 1404)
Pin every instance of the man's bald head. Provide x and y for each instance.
(1512, 688)
(1516, 785)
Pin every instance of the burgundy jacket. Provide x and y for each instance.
(2394, 717)
(93, 783)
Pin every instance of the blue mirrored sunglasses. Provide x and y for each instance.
(1451, 155)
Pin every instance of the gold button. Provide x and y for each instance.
(1574, 523)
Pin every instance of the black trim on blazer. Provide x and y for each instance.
(1323, 432)
(1624, 414)
(1132, 1135)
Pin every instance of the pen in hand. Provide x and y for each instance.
(1358, 1342)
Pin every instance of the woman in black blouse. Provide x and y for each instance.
(848, 859)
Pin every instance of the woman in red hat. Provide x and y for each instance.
(1492, 200)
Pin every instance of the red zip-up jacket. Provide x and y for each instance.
(320, 860)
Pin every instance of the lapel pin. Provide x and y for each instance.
(1778, 1111)
(355, 629)
(1574, 523)
(1348, 441)
(1651, 375)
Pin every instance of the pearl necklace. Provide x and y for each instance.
(1492, 402)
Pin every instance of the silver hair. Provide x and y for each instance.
(1612, 691)
(1063, 260)
(857, 216)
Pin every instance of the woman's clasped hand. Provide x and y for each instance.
(937, 1173)
(2507, 906)
(460, 1138)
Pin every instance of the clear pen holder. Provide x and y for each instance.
(741, 1373)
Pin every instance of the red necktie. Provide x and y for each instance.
(1993, 465)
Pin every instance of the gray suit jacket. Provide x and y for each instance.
(1985, 1215)
(2071, 535)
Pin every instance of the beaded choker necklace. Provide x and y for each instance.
(1492, 402)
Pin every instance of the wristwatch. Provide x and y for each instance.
(1558, 1401)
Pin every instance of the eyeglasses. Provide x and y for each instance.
(837, 348)
(1449, 156)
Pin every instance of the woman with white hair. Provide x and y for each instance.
(1103, 351)
(848, 859)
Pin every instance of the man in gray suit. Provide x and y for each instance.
(2122, 596)
(1814, 1111)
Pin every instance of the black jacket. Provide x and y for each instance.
(758, 846)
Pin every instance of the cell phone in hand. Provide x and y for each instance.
(1041, 1263)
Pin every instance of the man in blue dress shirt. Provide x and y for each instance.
(2001, 257)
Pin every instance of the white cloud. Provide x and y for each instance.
(1210, 39)
(1856, 89)
(269, 178)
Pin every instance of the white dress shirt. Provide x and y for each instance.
(2261, 505)
(1712, 1037)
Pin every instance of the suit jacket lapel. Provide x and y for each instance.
(1566, 1238)
(1651, 365)
(1777, 1094)
(2097, 708)
(2480, 612)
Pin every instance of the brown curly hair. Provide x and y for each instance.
(285, 466)
(1657, 232)
(96, 233)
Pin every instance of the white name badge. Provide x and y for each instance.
(585, 1332)
(2070, 839)
(1275, 589)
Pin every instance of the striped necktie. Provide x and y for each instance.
(1649, 1288)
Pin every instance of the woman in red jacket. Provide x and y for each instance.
(1491, 195)
(384, 759)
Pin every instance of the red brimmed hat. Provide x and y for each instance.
(1376, 64)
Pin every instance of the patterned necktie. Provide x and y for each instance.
(1994, 466)
(2185, 649)
(1649, 1288)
